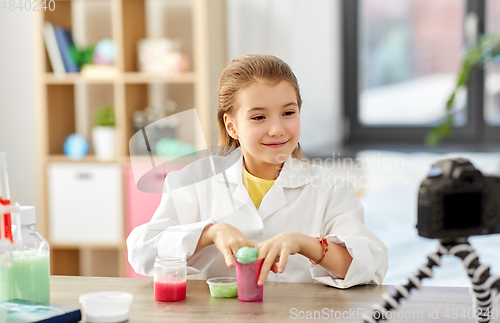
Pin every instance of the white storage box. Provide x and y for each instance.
(85, 203)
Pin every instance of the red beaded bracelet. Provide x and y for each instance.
(324, 243)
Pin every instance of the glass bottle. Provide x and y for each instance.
(170, 275)
(5, 259)
(29, 275)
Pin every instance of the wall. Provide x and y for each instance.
(17, 103)
(307, 35)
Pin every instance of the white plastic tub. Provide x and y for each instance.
(103, 307)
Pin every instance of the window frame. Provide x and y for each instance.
(475, 131)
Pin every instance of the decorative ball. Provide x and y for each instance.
(187, 149)
(76, 146)
(104, 52)
(99, 60)
(169, 147)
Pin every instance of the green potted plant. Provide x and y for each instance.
(103, 133)
(486, 50)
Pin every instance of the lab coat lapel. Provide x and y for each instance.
(234, 179)
(241, 194)
(292, 175)
(274, 200)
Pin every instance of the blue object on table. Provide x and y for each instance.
(76, 146)
(20, 310)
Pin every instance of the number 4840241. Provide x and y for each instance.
(28, 5)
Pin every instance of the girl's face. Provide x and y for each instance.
(266, 122)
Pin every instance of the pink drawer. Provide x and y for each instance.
(140, 206)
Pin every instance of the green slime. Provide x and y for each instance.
(246, 255)
(28, 278)
(223, 290)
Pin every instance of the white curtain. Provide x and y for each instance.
(307, 35)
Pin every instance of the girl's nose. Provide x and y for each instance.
(276, 129)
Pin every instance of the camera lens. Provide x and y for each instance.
(467, 181)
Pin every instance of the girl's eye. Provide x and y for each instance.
(258, 118)
(289, 113)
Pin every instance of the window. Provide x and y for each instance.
(401, 60)
(492, 71)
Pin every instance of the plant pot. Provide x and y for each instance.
(104, 139)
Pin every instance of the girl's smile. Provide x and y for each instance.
(276, 144)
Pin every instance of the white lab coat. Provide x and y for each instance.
(305, 198)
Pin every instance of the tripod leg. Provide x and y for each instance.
(482, 282)
(391, 301)
(478, 275)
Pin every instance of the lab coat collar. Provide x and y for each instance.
(294, 173)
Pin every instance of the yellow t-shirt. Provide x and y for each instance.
(256, 187)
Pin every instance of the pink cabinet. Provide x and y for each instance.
(141, 206)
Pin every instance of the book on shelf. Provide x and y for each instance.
(53, 49)
(64, 42)
(22, 311)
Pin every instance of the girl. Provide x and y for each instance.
(285, 205)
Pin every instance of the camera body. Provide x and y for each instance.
(457, 201)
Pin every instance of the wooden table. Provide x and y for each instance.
(283, 302)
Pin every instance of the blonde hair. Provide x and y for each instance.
(240, 73)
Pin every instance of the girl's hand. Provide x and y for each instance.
(277, 249)
(228, 240)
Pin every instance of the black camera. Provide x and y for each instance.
(457, 201)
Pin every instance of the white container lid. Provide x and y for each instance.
(222, 281)
(28, 215)
(104, 307)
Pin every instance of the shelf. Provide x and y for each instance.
(145, 159)
(140, 78)
(87, 246)
(128, 78)
(72, 78)
(86, 159)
